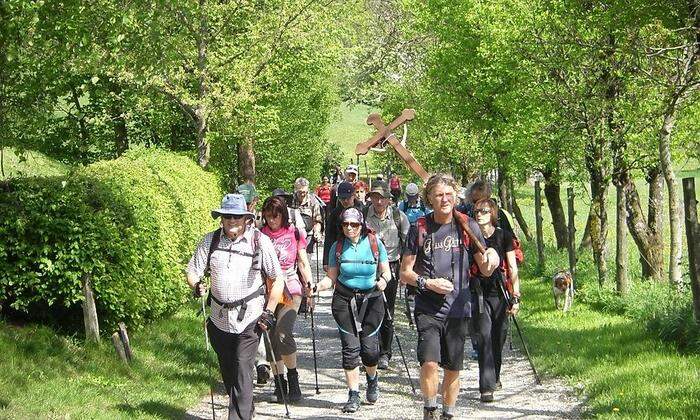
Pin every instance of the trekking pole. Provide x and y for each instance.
(277, 377)
(398, 342)
(313, 328)
(408, 307)
(206, 344)
(520, 334)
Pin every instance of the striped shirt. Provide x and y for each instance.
(234, 276)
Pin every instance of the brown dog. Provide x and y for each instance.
(563, 288)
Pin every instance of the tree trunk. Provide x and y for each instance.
(674, 203)
(521, 220)
(692, 229)
(655, 222)
(121, 139)
(586, 238)
(647, 238)
(621, 279)
(552, 194)
(82, 127)
(538, 226)
(599, 222)
(246, 161)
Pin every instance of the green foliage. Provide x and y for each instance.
(30, 164)
(131, 224)
(46, 375)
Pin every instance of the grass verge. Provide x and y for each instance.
(46, 375)
(614, 360)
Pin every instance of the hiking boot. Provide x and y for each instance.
(383, 363)
(279, 379)
(431, 413)
(446, 416)
(487, 396)
(499, 386)
(372, 393)
(294, 391)
(263, 374)
(353, 403)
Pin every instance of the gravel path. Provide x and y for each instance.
(520, 397)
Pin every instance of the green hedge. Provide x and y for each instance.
(132, 223)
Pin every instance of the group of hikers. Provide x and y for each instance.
(459, 268)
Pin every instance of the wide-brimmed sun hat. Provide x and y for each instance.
(381, 188)
(232, 204)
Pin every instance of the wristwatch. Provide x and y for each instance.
(420, 283)
(515, 299)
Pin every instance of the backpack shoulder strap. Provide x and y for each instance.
(422, 226)
(396, 214)
(214, 244)
(374, 246)
(338, 251)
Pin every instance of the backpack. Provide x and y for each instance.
(374, 246)
(396, 216)
(256, 264)
(404, 203)
(422, 226)
(505, 222)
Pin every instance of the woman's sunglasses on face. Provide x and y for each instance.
(483, 211)
(353, 225)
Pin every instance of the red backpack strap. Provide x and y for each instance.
(422, 226)
(374, 246)
(338, 251)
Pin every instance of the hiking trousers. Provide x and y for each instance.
(386, 333)
(236, 354)
(490, 328)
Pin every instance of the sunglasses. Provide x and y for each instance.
(353, 225)
(232, 216)
(482, 211)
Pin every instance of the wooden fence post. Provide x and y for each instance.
(92, 326)
(692, 231)
(124, 337)
(538, 225)
(572, 234)
(119, 347)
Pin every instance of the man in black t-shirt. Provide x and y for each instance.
(437, 262)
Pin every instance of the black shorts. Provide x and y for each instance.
(441, 341)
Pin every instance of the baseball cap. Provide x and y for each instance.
(411, 189)
(381, 188)
(352, 169)
(352, 215)
(345, 190)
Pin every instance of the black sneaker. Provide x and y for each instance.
(372, 393)
(446, 416)
(353, 403)
(383, 363)
(431, 413)
(499, 386)
(263, 375)
(487, 396)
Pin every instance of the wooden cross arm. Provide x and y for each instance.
(363, 148)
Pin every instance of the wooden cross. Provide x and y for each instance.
(384, 133)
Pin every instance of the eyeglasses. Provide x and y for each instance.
(232, 216)
(353, 225)
(482, 211)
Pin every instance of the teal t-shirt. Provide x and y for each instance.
(357, 267)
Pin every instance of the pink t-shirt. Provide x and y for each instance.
(287, 248)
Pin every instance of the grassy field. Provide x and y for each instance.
(46, 375)
(351, 128)
(34, 164)
(620, 367)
